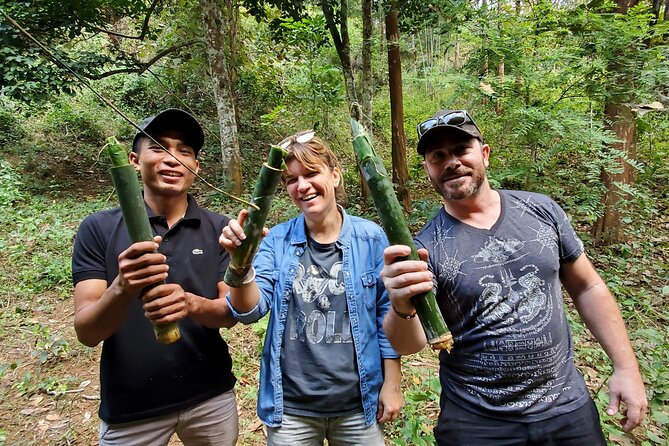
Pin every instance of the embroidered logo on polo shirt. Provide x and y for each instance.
(198, 251)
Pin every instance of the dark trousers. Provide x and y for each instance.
(459, 427)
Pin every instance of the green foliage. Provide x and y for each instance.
(421, 404)
(48, 346)
(10, 127)
(10, 185)
(544, 119)
(31, 384)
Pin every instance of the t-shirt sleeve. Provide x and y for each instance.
(88, 255)
(569, 243)
(224, 257)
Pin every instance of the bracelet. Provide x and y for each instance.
(404, 315)
(249, 277)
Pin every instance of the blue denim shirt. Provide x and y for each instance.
(362, 243)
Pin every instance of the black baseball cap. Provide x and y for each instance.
(445, 121)
(172, 119)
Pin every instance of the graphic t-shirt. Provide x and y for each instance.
(500, 293)
(318, 365)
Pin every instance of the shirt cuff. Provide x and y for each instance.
(249, 317)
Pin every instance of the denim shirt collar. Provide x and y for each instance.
(300, 234)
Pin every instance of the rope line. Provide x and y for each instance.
(107, 102)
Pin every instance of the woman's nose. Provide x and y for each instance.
(302, 183)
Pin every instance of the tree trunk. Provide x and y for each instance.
(212, 19)
(231, 21)
(456, 53)
(400, 169)
(366, 78)
(342, 44)
(609, 228)
(621, 121)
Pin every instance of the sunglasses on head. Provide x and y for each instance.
(301, 138)
(456, 118)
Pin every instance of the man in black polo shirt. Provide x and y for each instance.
(150, 391)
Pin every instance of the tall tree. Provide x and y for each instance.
(215, 28)
(620, 119)
(400, 169)
(366, 75)
(336, 20)
(26, 73)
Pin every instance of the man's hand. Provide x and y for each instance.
(140, 266)
(627, 387)
(390, 403)
(404, 279)
(166, 303)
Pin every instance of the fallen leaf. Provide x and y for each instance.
(52, 417)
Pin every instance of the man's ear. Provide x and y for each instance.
(133, 158)
(485, 149)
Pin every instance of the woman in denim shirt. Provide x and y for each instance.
(327, 369)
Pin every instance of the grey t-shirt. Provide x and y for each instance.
(500, 293)
(319, 372)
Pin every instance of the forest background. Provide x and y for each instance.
(571, 96)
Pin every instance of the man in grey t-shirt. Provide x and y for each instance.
(496, 260)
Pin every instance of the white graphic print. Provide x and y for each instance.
(532, 299)
(440, 237)
(523, 206)
(497, 250)
(310, 285)
(547, 237)
(450, 267)
(317, 285)
(503, 302)
(494, 307)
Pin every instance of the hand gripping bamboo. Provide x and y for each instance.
(135, 217)
(393, 222)
(263, 192)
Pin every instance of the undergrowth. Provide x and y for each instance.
(36, 235)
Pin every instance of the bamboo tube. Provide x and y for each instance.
(393, 222)
(135, 217)
(263, 192)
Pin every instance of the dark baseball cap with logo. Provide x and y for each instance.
(172, 119)
(445, 121)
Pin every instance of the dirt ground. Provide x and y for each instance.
(34, 413)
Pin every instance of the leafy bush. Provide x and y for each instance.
(10, 125)
(10, 185)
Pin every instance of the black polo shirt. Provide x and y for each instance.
(140, 378)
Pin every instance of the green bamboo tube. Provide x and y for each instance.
(263, 192)
(135, 217)
(393, 222)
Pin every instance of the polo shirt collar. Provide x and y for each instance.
(193, 212)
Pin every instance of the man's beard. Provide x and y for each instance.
(477, 178)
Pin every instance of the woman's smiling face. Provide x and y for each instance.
(312, 191)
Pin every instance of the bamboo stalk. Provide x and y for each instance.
(135, 217)
(263, 192)
(393, 222)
